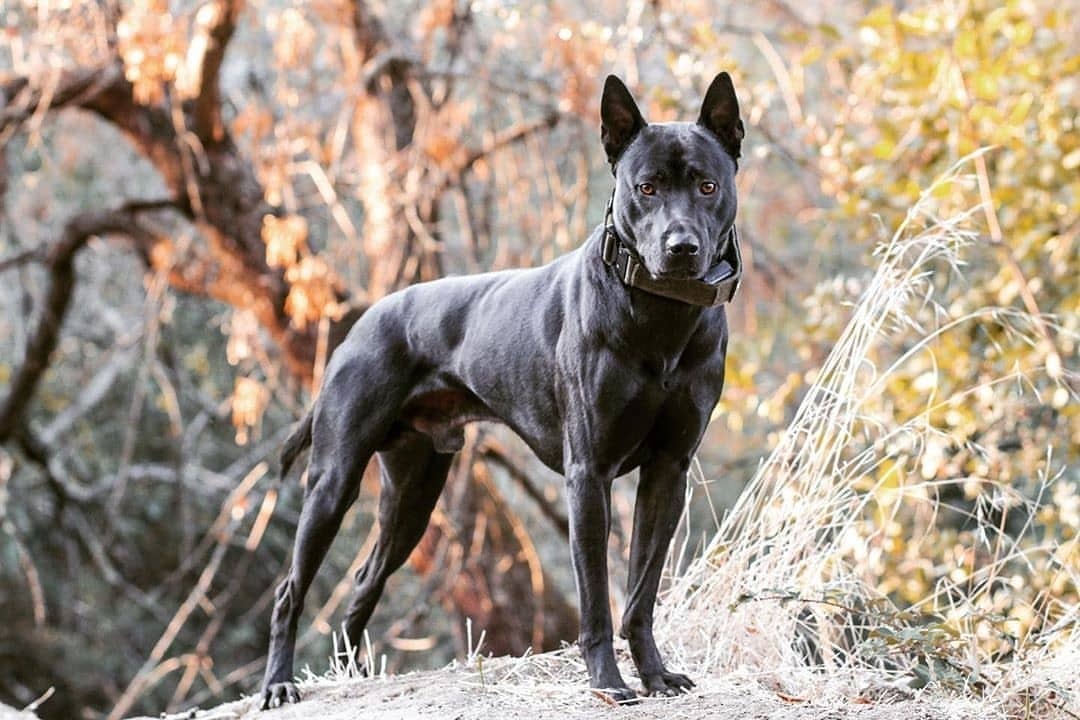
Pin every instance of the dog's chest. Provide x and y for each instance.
(661, 401)
(648, 408)
(659, 373)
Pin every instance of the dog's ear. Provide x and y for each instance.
(720, 114)
(620, 119)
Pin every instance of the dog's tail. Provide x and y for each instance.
(297, 442)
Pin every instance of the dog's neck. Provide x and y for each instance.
(651, 326)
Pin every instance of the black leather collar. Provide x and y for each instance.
(719, 285)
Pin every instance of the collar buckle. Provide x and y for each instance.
(609, 250)
(629, 270)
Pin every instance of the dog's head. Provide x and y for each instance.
(674, 182)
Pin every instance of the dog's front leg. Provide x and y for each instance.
(660, 498)
(589, 499)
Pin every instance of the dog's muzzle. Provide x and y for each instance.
(718, 286)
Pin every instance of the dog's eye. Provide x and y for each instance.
(708, 187)
(647, 189)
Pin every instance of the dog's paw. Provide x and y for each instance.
(616, 695)
(277, 694)
(667, 683)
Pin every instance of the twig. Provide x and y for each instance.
(532, 559)
(491, 450)
(503, 139)
(93, 390)
(59, 258)
(215, 23)
(22, 258)
(142, 381)
(783, 78)
(152, 669)
(33, 581)
(32, 707)
(73, 88)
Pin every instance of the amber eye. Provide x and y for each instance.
(708, 187)
(647, 189)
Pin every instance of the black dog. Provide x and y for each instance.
(608, 359)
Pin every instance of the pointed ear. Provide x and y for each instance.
(620, 119)
(720, 114)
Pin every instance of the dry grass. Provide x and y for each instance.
(776, 585)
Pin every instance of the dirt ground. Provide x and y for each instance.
(509, 688)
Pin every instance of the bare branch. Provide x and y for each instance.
(504, 138)
(20, 99)
(509, 136)
(22, 258)
(232, 202)
(214, 27)
(226, 525)
(94, 389)
(60, 259)
(495, 452)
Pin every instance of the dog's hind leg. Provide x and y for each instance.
(335, 470)
(413, 475)
(324, 507)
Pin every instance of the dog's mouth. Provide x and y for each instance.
(677, 274)
(680, 269)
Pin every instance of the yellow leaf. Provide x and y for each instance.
(942, 189)
(1021, 33)
(883, 150)
(919, 23)
(985, 86)
(1072, 160)
(880, 18)
(995, 20)
(966, 43)
(810, 55)
(1020, 110)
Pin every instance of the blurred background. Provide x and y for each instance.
(198, 199)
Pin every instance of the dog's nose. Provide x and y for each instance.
(681, 245)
